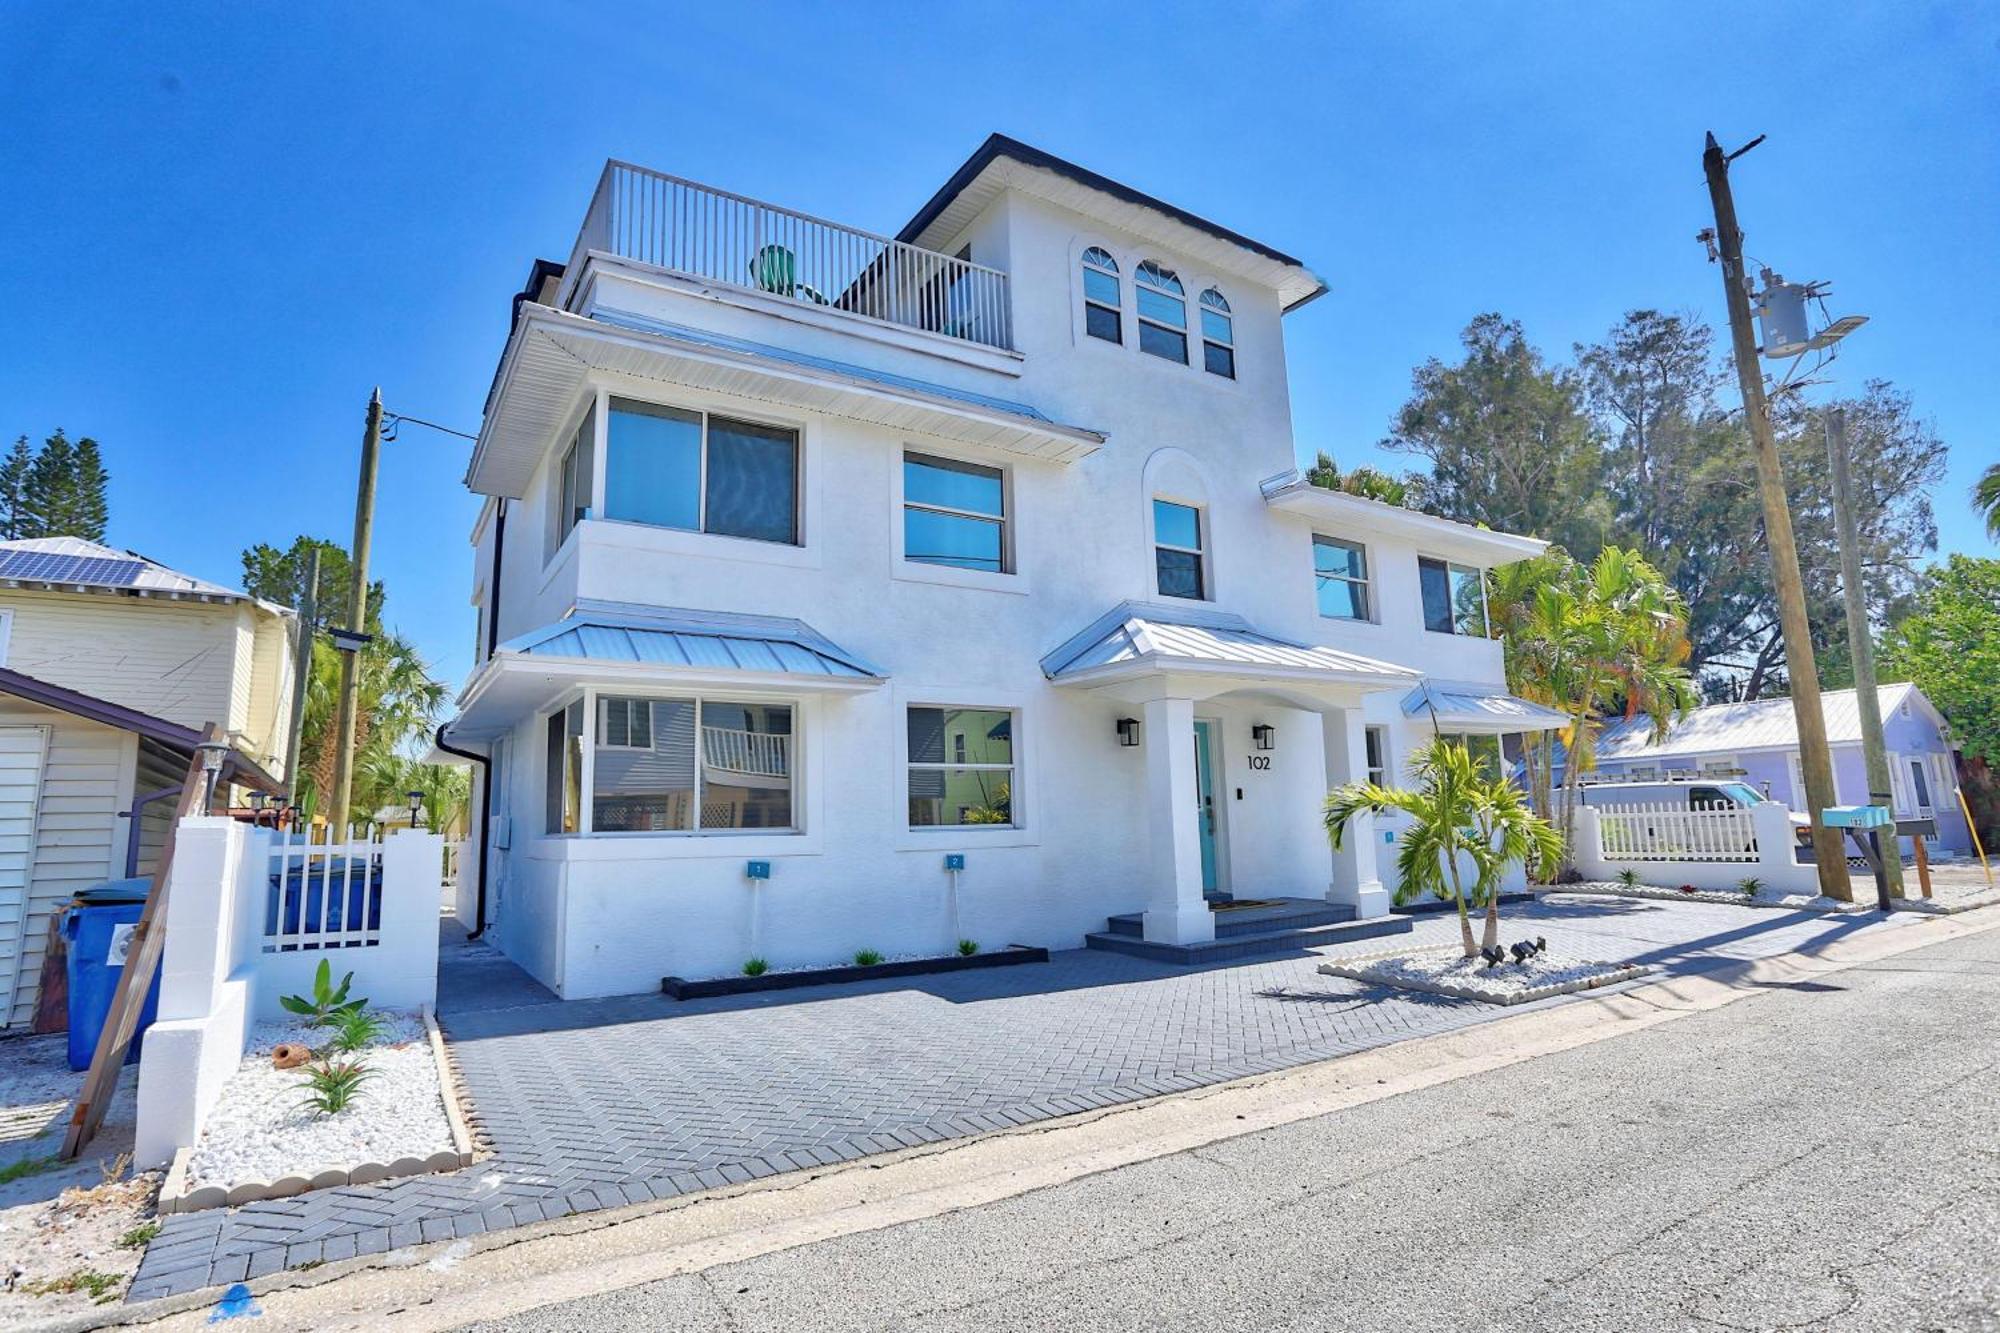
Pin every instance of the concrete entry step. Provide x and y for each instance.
(1226, 947)
(1267, 915)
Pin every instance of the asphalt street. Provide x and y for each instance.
(1824, 1156)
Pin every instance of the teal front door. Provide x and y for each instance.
(1204, 797)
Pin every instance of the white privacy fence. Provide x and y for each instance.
(1709, 849)
(1663, 833)
(712, 234)
(250, 915)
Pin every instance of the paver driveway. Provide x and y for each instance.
(598, 1104)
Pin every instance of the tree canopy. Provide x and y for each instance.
(280, 576)
(1950, 646)
(56, 490)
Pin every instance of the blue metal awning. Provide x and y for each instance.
(1465, 706)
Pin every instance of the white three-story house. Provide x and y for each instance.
(840, 592)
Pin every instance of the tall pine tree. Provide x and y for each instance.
(14, 521)
(91, 513)
(57, 491)
(51, 482)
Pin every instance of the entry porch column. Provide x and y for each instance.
(1356, 880)
(1176, 912)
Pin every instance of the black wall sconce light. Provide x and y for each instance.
(1265, 735)
(1128, 731)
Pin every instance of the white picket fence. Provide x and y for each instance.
(323, 895)
(1667, 833)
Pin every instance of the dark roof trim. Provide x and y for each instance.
(236, 764)
(999, 145)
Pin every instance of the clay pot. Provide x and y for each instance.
(289, 1055)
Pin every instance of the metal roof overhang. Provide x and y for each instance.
(551, 353)
(1291, 493)
(1479, 709)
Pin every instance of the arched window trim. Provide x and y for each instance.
(1162, 311)
(1218, 335)
(1104, 298)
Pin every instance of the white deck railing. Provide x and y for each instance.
(689, 228)
(1664, 833)
(763, 753)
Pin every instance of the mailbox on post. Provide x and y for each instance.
(1870, 819)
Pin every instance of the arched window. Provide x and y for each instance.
(1103, 308)
(1162, 313)
(1218, 335)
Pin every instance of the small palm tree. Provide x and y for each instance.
(1462, 815)
(1986, 499)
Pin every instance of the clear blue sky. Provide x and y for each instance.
(223, 223)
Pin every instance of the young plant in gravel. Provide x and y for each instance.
(967, 948)
(1749, 886)
(327, 1002)
(1629, 878)
(866, 957)
(1464, 818)
(331, 1085)
(755, 967)
(356, 1029)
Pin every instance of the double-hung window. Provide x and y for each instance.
(1340, 576)
(1377, 741)
(1162, 312)
(1177, 550)
(702, 472)
(1218, 335)
(1454, 597)
(1103, 306)
(961, 766)
(690, 766)
(573, 480)
(955, 514)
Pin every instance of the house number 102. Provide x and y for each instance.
(1260, 762)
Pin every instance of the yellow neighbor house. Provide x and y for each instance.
(110, 666)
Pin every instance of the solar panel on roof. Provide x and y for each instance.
(55, 567)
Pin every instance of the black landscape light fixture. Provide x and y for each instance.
(1265, 735)
(416, 808)
(1128, 731)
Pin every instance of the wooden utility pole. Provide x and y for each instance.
(357, 618)
(1861, 644)
(302, 676)
(1803, 673)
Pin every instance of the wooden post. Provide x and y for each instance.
(1923, 864)
(357, 617)
(1973, 829)
(1815, 759)
(142, 957)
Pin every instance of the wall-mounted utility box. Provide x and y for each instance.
(758, 870)
(954, 860)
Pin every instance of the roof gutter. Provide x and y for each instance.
(485, 763)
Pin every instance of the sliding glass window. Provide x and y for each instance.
(691, 766)
(701, 472)
(954, 514)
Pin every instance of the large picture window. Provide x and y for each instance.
(1340, 577)
(1162, 312)
(672, 766)
(954, 514)
(701, 472)
(1454, 597)
(961, 766)
(1177, 550)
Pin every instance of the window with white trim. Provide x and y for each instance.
(961, 766)
(574, 475)
(1376, 740)
(1179, 559)
(1454, 597)
(702, 472)
(692, 765)
(1162, 312)
(1340, 578)
(1218, 335)
(955, 514)
(624, 724)
(1103, 303)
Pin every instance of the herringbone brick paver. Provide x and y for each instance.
(604, 1103)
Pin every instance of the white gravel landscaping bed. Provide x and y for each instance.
(1792, 902)
(261, 1130)
(1946, 899)
(1445, 970)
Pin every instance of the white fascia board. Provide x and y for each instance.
(1158, 664)
(1291, 493)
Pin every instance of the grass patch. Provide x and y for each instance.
(139, 1237)
(100, 1285)
(27, 1166)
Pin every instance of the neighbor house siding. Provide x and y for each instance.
(86, 780)
(171, 659)
(270, 674)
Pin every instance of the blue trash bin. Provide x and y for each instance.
(98, 927)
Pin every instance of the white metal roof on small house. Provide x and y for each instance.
(1290, 493)
(1133, 639)
(72, 564)
(550, 353)
(1765, 724)
(1464, 706)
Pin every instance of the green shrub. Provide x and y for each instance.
(331, 1085)
(755, 967)
(327, 1002)
(1749, 886)
(866, 957)
(1629, 878)
(968, 947)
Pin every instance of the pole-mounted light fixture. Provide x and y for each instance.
(416, 808)
(348, 640)
(1265, 735)
(1128, 731)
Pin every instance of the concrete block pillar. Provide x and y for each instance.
(1356, 880)
(1176, 913)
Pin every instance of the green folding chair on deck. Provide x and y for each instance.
(776, 270)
